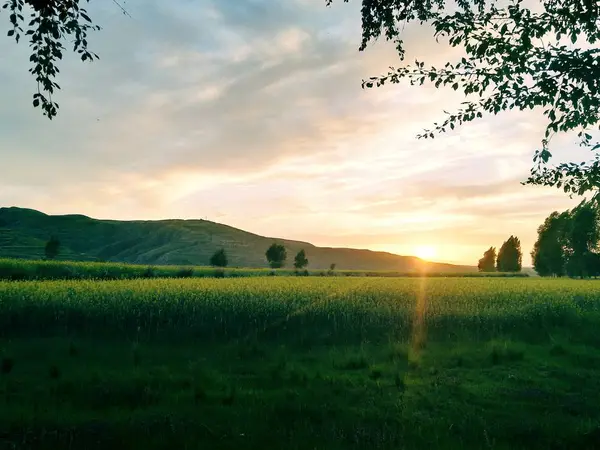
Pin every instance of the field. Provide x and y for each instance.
(300, 363)
(22, 269)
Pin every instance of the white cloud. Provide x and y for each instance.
(252, 112)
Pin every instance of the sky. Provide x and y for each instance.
(251, 113)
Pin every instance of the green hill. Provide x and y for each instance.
(24, 232)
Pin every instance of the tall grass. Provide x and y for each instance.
(304, 310)
(300, 363)
(22, 270)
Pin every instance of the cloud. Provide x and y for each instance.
(251, 112)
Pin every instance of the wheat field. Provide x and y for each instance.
(300, 362)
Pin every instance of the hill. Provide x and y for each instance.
(23, 233)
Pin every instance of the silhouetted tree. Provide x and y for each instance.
(300, 261)
(549, 251)
(510, 256)
(567, 243)
(488, 262)
(52, 248)
(219, 258)
(593, 264)
(276, 256)
(584, 235)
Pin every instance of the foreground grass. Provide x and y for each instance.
(23, 270)
(300, 363)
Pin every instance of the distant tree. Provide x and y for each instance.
(549, 254)
(510, 256)
(219, 258)
(331, 269)
(52, 248)
(300, 260)
(488, 262)
(276, 256)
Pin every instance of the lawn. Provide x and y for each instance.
(300, 363)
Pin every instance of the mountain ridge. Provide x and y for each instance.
(24, 232)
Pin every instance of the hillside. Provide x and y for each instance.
(23, 233)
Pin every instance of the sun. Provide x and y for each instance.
(425, 251)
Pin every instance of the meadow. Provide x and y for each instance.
(300, 363)
(15, 269)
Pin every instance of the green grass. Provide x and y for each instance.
(22, 269)
(300, 363)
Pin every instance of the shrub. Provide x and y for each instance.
(185, 273)
(150, 272)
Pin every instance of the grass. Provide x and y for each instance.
(301, 363)
(22, 269)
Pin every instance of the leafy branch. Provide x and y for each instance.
(515, 59)
(51, 25)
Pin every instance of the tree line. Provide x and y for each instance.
(276, 256)
(568, 244)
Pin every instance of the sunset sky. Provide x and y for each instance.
(251, 113)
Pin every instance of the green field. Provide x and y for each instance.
(300, 363)
(21, 270)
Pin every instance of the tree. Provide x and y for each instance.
(514, 58)
(276, 256)
(52, 248)
(219, 258)
(300, 260)
(593, 265)
(584, 234)
(488, 262)
(510, 256)
(567, 243)
(549, 251)
(52, 23)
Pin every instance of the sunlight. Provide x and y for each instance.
(425, 251)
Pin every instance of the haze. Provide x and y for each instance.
(251, 113)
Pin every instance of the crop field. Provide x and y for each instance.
(22, 270)
(300, 363)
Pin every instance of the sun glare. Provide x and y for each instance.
(425, 251)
